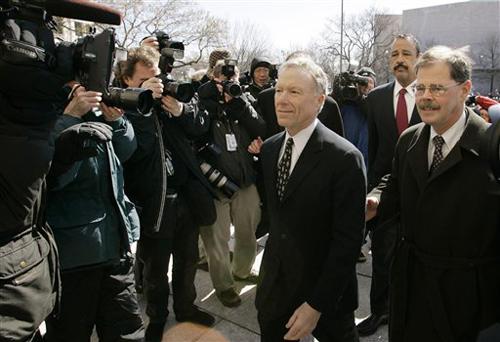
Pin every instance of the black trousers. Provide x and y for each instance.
(154, 253)
(103, 297)
(383, 243)
(329, 329)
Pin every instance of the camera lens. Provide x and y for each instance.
(134, 99)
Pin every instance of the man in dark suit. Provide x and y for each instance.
(315, 187)
(445, 278)
(391, 109)
(329, 116)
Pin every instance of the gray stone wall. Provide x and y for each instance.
(466, 24)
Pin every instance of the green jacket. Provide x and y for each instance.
(93, 221)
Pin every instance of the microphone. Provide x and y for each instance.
(83, 10)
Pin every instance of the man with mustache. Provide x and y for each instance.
(446, 271)
(390, 110)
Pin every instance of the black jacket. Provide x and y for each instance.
(445, 277)
(315, 233)
(159, 135)
(237, 117)
(382, 131)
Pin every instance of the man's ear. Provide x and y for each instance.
(321, 99)
(466, 87)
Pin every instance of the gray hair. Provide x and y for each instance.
(308, 65)
(460, 64)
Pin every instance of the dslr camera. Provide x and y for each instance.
(209, 91)
(170, 51)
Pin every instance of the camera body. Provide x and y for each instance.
(170, 51)
(229, 67)
(345, 86)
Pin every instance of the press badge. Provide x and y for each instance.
(231, 144)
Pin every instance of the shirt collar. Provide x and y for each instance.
(452, 134)
(301, 138)
(409, 88)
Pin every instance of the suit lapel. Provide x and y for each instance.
(415, 117)
(417, 156)
(469, 141)
(308, 159)
(389, 110)
(454, 157)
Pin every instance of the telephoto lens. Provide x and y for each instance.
(217, 179)
(134, 99)
(183, 92)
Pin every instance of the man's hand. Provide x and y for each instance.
(371, 207)
(255, 145)
(155, 85)
(82, 102)
(111, 113)
(302, 322)
(171, 105)
(151, 41)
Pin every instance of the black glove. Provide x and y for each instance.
(70, 145)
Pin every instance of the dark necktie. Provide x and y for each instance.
(284, 169)
(438, 142)
(401, 112)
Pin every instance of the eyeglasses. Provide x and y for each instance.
(436, 90)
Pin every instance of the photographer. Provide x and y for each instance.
(164, 179)
(95, 228)
(350, 91)
(260, 69)
(234, 124)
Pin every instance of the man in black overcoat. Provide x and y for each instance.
(445, 277)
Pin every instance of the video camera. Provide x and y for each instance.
(88, 61)
(93, 62)
(170, 51)
(345, 86)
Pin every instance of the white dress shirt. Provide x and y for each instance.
(299, 142)
(450, 137)
(409, 97)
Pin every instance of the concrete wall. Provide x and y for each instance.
(465, 24)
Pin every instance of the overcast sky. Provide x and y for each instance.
(293, 23)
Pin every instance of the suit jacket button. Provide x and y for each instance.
(283, 236)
